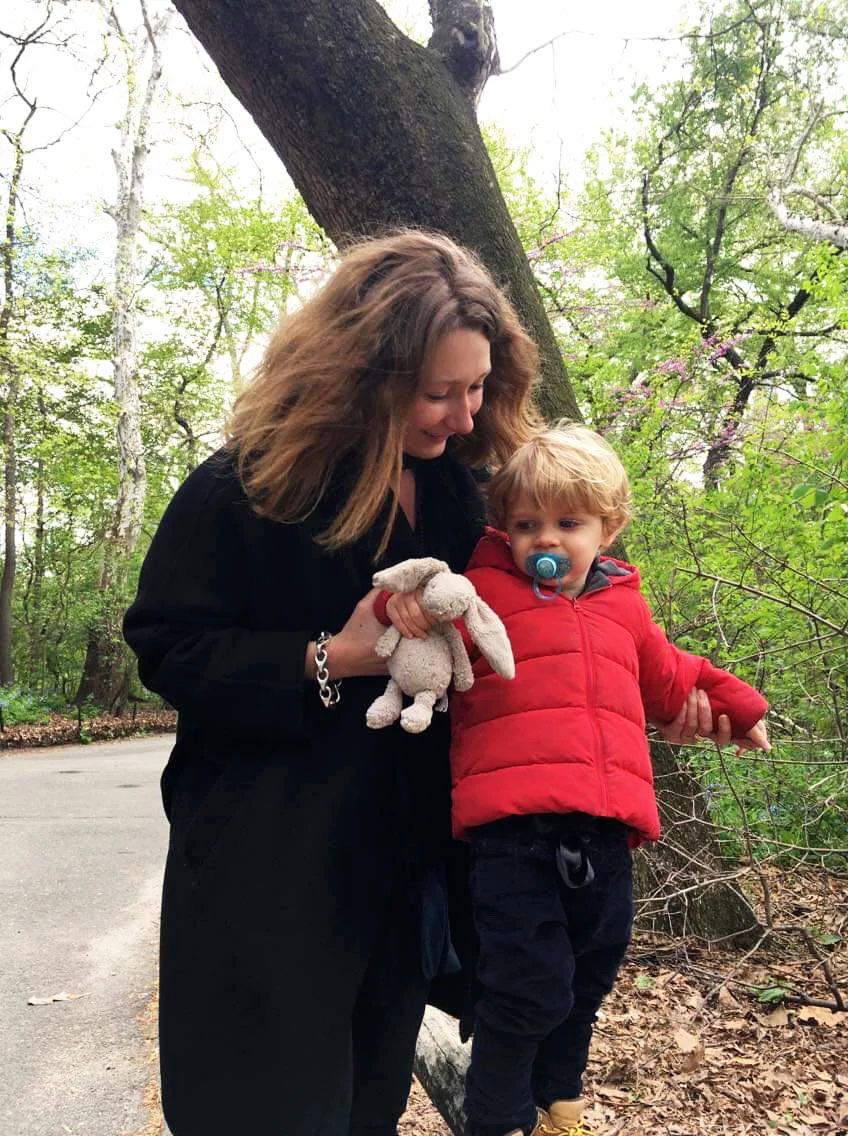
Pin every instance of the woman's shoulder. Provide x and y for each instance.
(211, 487)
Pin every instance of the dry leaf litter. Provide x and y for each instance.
(665, 1062)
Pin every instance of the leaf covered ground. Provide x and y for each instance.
(60, 729)
(694, 1041)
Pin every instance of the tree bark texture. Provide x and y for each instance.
(11, 382)
(375, 133)
(440, 1064)
(831, 232)
(105, 676)
(464, 39)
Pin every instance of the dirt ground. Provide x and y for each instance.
(695, 1041)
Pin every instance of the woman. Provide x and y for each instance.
(295, 961)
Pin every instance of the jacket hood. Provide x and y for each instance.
(493, 551)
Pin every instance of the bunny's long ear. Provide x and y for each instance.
(409, 574)
(487, 631)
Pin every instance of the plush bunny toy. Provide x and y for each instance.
(423, 668)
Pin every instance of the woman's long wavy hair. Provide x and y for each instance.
(339, 377)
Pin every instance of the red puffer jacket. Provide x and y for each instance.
(568, 732)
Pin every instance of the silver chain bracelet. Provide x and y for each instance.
(328, 690)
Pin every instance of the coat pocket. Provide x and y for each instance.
(218, 808)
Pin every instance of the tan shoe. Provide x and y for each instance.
(564, 1118)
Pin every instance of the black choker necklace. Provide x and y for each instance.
(409, 462)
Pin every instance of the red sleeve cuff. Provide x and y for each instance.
(730, 695)
(380, 608)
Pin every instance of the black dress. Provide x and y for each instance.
(301, 841)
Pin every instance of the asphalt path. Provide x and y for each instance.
(82, 847)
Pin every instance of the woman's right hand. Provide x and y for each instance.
(694, 723)
(350, 652)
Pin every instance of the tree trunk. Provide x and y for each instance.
(35, 615)
(9, 376)
(440, 1064)
(682, 881)
(375, 133)
(464, 39)
(10, 555)
(105, 671)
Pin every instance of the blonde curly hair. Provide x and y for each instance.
(567, 467)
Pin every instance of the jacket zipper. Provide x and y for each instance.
(590, 699)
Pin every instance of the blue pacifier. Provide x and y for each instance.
(547, 566)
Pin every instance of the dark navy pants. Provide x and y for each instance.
(549, 954)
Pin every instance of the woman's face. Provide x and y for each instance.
(449, 394)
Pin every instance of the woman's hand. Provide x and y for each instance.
(694, 723)
(350, 652)
(408, 616)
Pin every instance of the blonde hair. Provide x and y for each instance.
(567, 467)
(339, 377)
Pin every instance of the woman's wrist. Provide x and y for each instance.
(335, 657)
(310, 667)
(334, 650)
(326, 674)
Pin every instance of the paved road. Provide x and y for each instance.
(82, 843)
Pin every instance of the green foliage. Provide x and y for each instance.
(22, 707)
(218, 271)
(710, 346)
(707, 342)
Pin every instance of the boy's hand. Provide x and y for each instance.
(408, 616)
(756, 738)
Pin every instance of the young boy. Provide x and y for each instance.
(552, 775)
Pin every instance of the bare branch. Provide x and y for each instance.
(817, 199)
(841, 629)
(534, 50)
(833, 232)
(695, 35)
(820, 231)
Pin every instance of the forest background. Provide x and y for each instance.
(679, 185)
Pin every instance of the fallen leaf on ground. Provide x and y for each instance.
(64, 996)
(685, 1041)
(775, 1019)
(725, 998)
(822, 1015)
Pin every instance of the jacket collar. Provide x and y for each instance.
(493, 551)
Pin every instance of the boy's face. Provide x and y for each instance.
(579, 536)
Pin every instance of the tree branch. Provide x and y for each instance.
(464, 39)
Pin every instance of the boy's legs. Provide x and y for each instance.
(600, 918)
(525, 972)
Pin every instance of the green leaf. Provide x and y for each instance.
(771, 994)
(827, 938)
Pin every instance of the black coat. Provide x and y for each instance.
(290, 824)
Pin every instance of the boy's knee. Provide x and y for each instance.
(526, 1018)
